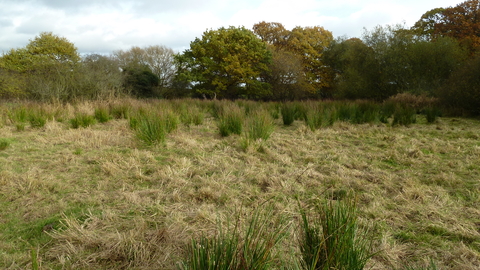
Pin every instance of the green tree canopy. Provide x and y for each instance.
(228, 63)
(43, 69)
(461, 22)
(43, 52)
(308, 44)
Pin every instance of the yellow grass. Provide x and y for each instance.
(96, 198)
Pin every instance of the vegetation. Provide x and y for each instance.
(351, 156)
(107, 198)
(434, 58)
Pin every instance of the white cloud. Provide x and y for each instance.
(107, 25)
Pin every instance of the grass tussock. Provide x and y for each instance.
(230, 119)
(235, 248)
(334, 239)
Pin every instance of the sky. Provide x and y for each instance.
(103, 26)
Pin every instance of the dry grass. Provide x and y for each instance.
(96, 198)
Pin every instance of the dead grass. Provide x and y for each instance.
(96, 198)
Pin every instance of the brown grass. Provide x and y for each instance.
(95, 198)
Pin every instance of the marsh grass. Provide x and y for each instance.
(151, 129)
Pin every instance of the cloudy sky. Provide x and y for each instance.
(102, 26)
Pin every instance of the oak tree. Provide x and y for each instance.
(461, 22)
(308, 44)
(227, 63)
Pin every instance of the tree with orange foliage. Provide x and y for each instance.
(305, 43)
(461, 22)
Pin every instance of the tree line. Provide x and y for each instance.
(437, 57)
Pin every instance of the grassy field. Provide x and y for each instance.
(91, 186)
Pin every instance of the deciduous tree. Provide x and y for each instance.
(461, 22)
(46, 66)
(308, 44)
(227, 63)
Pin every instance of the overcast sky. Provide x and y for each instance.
(106, 25)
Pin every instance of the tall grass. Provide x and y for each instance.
(334, 239)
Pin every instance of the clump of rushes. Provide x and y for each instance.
(404, 115)
(431, 113)
(19, 114)
(120, 111)
(235, 250)
(314, 117)
(102, 114)
(365, 112)
(231, 120)
(260, 126)
(37, 120)
(191, 115)
(4, 143)
(288, 111)
(152, 127)
(82, 120)
(334, 240)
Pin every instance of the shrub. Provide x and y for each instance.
(82, 120)
(334, 240)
